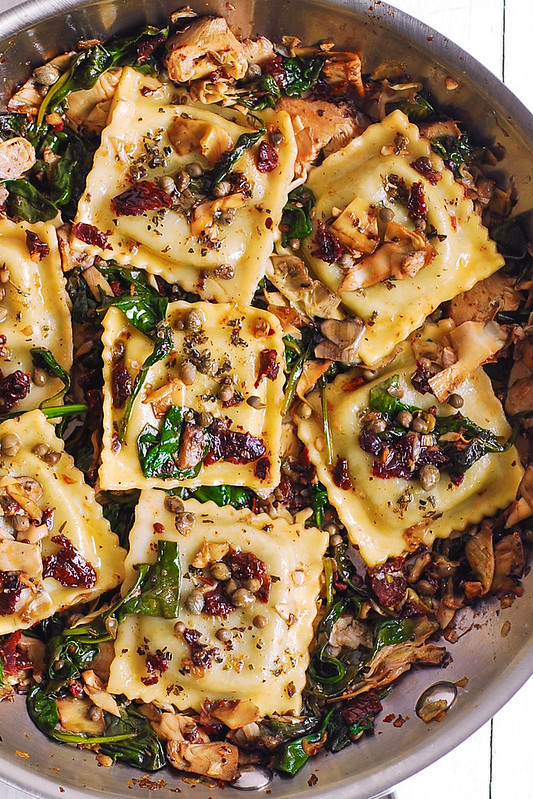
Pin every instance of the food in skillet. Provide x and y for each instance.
(261, 311)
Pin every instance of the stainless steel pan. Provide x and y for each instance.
(495, 665)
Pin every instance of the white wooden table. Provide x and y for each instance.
(495, 763)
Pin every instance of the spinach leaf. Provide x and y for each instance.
(164, 342)
(26, 202)
(44, 359)
(295, 754)
(319, 500)
(341, 734)
(227, 161)
(296, 217)
(158, 591)
(301, 73)
(419, 109)
(67, 657)
(120, 513)
(42, 710)
(457, 151)
(145, 310)
(224, 495)
(297, 75)
(380, 399)
(86, 67)
(476, 442)
(391, 631)
(157, 448)
(140, 748)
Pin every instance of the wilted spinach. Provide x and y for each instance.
(158, 589)
(157, 448)
(296, 218)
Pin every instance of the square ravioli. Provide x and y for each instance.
(208, 414)
(56, 548)
(212, 241)
(249, 646)
(387, 516)
(391, 168)
(37, 309)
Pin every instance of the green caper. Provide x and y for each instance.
(429, 476)
(456, 401)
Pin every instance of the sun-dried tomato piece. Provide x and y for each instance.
(329, 248)
(247, 566)
(13, 388)
(147, 47)
(388, 582)
(266, 158)
(420, 379)
(121, 385)
(68, 566)
(36, 247)
(423, 165)
(275, 68)
(10, 591)
(157, 662)
(341, 475)
(91, 235)
(201, 659)
(143, 196)
(262, 468)
(13, 661)
(268, 366)
(232, 446)
(361, 708)
(217, 602)
(416, 204)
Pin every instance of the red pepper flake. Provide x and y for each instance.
(247, 566)
(13, 388)
(416, 204)
(68, 566)
(36, 247)
(266, 158)
(91, 235)
(423, 165)
(329, 248)
(268, 366)
(143, 196)
(341, 476)
(159, 528)
(269, 223)
(453, 220)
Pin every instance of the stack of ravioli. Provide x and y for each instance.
(223, 265)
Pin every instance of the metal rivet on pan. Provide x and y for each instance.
(253, 778)
(436, 699)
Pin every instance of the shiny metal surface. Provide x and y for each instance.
(495, 665)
